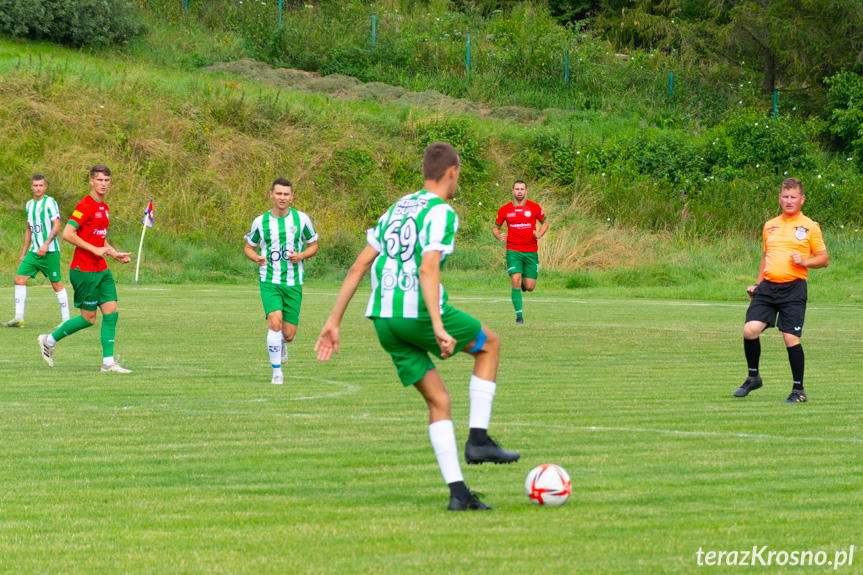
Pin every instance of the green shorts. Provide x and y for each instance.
(92, 289)
(49, 265)
(409, 341)
(524, 263)
(286, 299)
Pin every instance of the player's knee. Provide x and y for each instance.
(751, 331)
(492, 342)
(289, 337)
(58, 286)
(530, 286)
(790, 340)
(21, 280)
(516, 283)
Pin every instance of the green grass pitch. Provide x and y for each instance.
(195, 463)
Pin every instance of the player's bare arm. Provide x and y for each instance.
(430, 288)
(311, 250)
(55, 231)
(251, 253)
(751, 289)
(28, 238)
(819, 260)
(328, 341)
(501, 237)
(122, 257)
(543, 229)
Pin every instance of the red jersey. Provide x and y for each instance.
(520, 225)
(91, 219)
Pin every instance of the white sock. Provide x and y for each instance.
(274, 346)
(51, 341)
(108, 360)
(63, 298)
(20, 300)
(481, 394)
(442, 436)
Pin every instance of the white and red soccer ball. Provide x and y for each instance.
(548, 485)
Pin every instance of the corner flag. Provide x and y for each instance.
(147, 223)
(148, 215)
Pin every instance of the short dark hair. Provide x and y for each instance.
(518, 182)
(438, 157)
(38, 177)
(100, 169)
(790, 184)
(282, 182)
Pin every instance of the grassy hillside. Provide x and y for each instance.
(632, 204)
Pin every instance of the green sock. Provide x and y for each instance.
(516, 301)
(109, 329)
(70, 326)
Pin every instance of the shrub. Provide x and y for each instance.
(71, 22)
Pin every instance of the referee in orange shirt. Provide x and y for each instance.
(792, 244)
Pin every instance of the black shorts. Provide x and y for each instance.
(787, 299)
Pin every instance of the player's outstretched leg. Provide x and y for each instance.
(109, 331)
(274, 348)
(481, 448)
(442, 436)
(752, 349)
(796, 358)
(20, 303)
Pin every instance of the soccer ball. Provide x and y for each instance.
(548, 485)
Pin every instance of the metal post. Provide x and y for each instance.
(467, 56)
(775, 103)
(280, 13)
(374, 26)
(670, 84)
(186, 9)
(566, 67)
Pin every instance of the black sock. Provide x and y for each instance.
(477, 436)
(459, 489)
(795, 357)
(752, 349)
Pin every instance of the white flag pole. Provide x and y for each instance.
(140, 247)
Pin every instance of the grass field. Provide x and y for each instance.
(195, 463)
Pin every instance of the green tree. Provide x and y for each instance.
(793, 43)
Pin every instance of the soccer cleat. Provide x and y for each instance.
(519, 320)
(470, 504)
(524, 289)
(14, 323)
(278, 379)
(47, 350)
(751, 384)
(489, 452)
(115, 367)
(797, 396)
(284, 352)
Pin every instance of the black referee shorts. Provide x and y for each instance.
(786, 299)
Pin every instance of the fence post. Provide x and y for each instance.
(670, 84)
(374, 26)
(566, 67)
(280, 13)
(467, 56)
(775, 103)
(186, 9)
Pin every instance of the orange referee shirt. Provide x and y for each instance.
(783, 237)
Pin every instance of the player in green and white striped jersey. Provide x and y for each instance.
(41, 251)
(412, 318)
(278, 242)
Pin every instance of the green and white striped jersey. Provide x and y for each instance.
(416, 224)
(40, 218)
(277, 239)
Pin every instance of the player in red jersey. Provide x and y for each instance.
(522, 259)
(91, 279)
